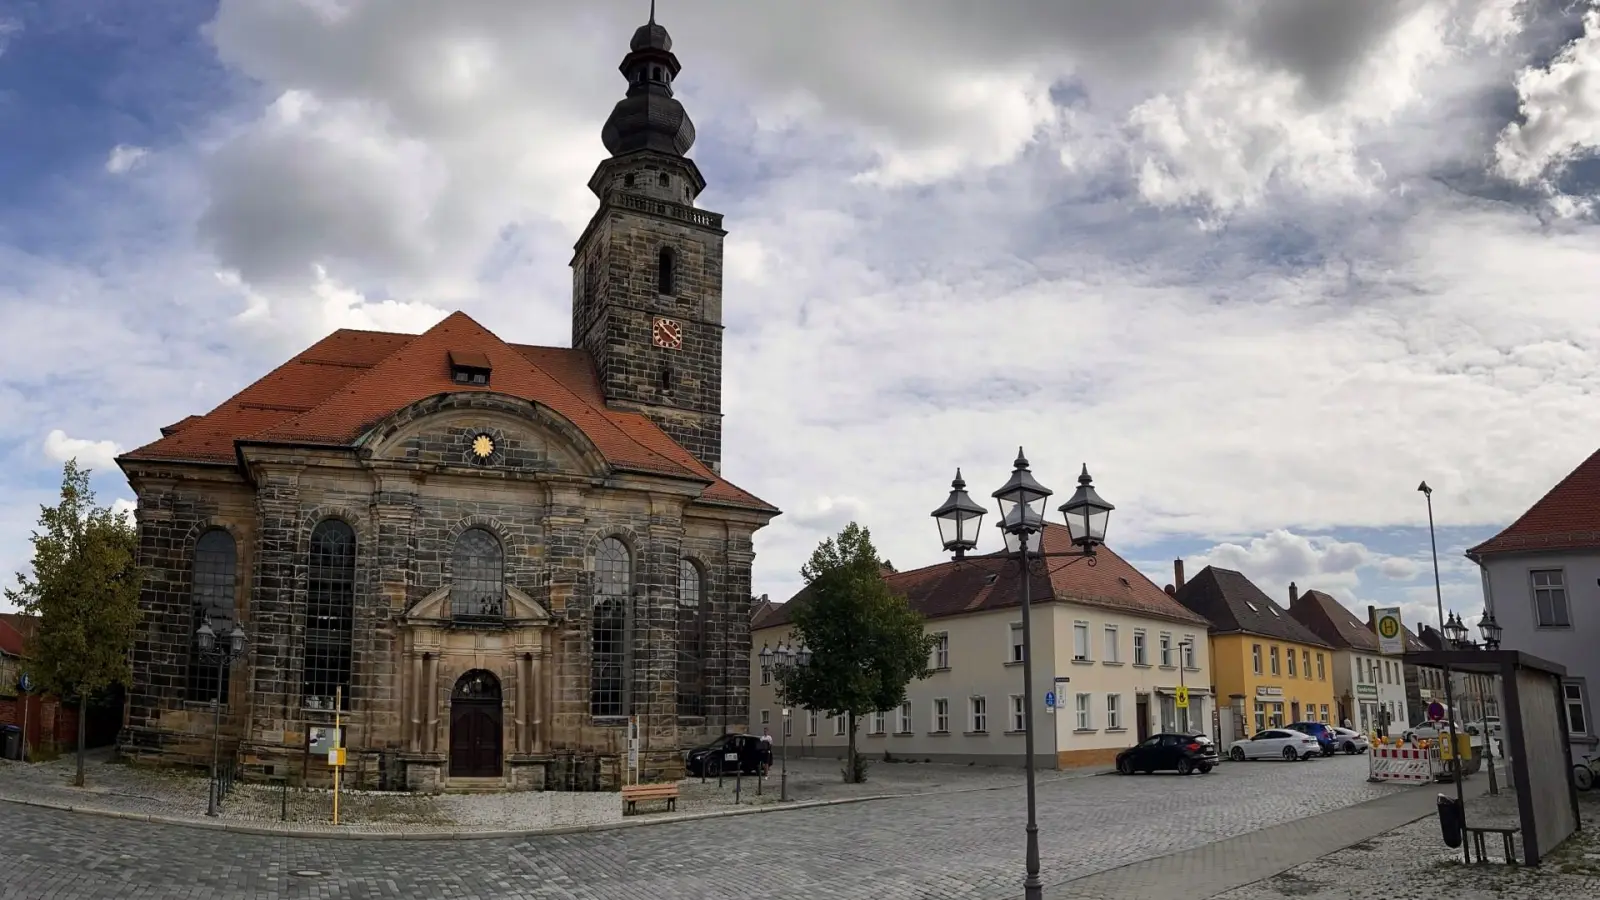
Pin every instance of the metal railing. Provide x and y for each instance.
(677, 211)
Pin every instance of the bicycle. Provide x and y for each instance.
(1583, 774)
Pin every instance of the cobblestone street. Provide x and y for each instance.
(935, 846)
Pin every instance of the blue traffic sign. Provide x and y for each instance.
(1050, 699)
(1435, 711)
(25, 683)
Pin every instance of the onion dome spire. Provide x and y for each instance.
(649, 118)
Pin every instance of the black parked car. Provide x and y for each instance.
(710, 760)
(1181, 753)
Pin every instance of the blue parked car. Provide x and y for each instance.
(1326, 739)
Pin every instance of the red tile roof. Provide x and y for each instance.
(333, 392)
(14, 631)
(1566, 518)
(981, 583)
(1333, 622)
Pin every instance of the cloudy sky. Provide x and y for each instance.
(1263, 265)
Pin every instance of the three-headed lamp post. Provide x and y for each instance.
(226, 648)
(1022, 518)
(788, 658)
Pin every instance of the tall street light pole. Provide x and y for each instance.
(1183, 657)
(1449, 693)
(225, 648)
(1021, 501)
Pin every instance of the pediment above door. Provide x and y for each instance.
(522, 611)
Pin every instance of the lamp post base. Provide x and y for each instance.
(211, 797)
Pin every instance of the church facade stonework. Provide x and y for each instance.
(485, 558)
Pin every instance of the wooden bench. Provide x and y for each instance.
(1475, 835)
(632, 794)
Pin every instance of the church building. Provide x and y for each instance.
(485, 558)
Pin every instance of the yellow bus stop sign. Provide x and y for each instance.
(1183, 697)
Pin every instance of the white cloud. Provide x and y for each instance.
(953, 228)
(90, 454)
(1559, 106)
(124, 157)
(124, 507)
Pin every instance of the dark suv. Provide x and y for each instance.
(1181, 753)
(1326, 739)
(710, 760)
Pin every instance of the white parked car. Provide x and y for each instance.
(1276, 743)
(1349, 740)
(1491, 725)
(1429, 731)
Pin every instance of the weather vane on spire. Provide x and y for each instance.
(652, 12)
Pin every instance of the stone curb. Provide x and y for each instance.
(502, 834)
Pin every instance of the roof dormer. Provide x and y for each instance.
(469, 367)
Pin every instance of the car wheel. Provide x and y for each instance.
(1236, 754)
(1185, 767)
(1205, 768)
(1350, 747)
(714, 768)
(1124, 767)
(1289, 754)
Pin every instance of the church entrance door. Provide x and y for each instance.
(475, 726)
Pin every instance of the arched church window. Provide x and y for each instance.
(666, 272)
(477, 576)
(627, 180)
(691, 638)
(211, 594)
(330, 614)
(608, 647)
(655, 73)
(664, 179)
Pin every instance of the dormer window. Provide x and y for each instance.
(469, 367)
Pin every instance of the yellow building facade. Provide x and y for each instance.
(1267, 668)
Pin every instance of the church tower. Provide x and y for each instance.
(647, 272)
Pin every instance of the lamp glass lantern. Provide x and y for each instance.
(1455, 630)
(1087, 514)
(785, 655)
(766, 656)
(803, 657)
(1021, 500)
(1491, 630)
(959, 519)
(236, 640)
(206, 636)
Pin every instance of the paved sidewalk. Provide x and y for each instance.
(178, 797)
(1218, 867)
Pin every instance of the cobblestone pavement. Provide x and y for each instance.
(181, 794)
(1412, 861)
(966, 846)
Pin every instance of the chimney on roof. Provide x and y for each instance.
(1372, 617)
(1294, 594)
(1177, 573)
(1172, 591)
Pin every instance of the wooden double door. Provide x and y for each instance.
(476, 727)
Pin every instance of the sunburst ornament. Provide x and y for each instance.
(483, 446)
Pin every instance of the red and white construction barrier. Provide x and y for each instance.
(1407, 764)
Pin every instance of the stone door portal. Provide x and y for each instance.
(476, 726)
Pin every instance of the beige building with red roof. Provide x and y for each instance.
(1541, 579)
(1109, 647)
(494, 555)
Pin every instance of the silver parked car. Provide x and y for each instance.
(1350, 741)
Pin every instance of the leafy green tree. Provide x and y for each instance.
(866, 643)
(85, 591)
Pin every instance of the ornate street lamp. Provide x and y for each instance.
(226, 649)
(1456, 631)
(1022, 507)
(788, 659)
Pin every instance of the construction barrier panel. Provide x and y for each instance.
(1407, 764)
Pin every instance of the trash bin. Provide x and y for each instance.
(1451, 819)
(10, 742)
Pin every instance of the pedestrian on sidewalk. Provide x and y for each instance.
(766, 750)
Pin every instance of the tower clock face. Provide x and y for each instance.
(667, 333)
